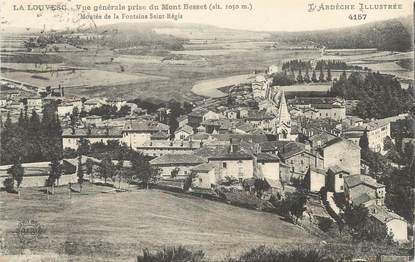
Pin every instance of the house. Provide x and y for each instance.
(320, 107)
(72, 136)
(196, 117)
(377, 131)
(160, 135)
(67, 106)
(204, 176)
(92, 120)
(229, 160)
(341, 152)
(136, 132)
(183, 132)
(274, 187)
(161, 147)
(33, 102)
(217, 126)
(315, 179)
(363, 190)
(300, 157)
(182, 120)
(267, 166)
(92, 103)
(176, 166)
(260, 119)
(396, 226)
(117, 102)
(335, 179)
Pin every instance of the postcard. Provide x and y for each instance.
(207, 130)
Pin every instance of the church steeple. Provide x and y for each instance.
(283, 114)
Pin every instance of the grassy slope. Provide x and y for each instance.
(119, 225)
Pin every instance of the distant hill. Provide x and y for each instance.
(187, 31)
(390, 35)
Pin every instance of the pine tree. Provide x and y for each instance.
(364, 141)
(314, 77)
(328, 74)
(300, 77)
(321, 76)
(307, 76)
(80, 173)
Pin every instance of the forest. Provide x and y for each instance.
(380, 95)
(390, 35)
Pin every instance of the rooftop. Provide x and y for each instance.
(383, 215)
(110, 131)
(177, 159)
(222, 152)
(354, 180)
(205, 167)
(145, 126)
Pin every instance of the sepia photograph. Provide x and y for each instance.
(207, 131)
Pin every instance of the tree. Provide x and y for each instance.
(119, 167)
(292, 206)
(328, 74)
(8, 185)
(89, 168)
(362, 227)
(321, 76)
(314, 77)
(17, 173)
(106, 169)
(83, 147)
(364, 141)
(80, 173)
(143, 170)
(74, 117)
(55, 173)
(307, 76)
(300, 77)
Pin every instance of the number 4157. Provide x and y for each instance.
(358, 17)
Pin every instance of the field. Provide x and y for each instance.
(78, 78)
(383, 61)
(209, 88)
(91, 224)
(157, 74)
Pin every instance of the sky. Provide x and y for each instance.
(266, 15)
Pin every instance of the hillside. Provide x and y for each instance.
(389, 35)
(150, 219)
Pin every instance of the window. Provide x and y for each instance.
(224, 165)
(341, 187)
(340, 175)
(200, 180)
(302, 162)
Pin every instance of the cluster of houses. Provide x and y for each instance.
(16, 98)
(218, 144)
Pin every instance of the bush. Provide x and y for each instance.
(263, 254)
(172, 254)
(8, 185)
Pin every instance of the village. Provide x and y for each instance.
(253, 148)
